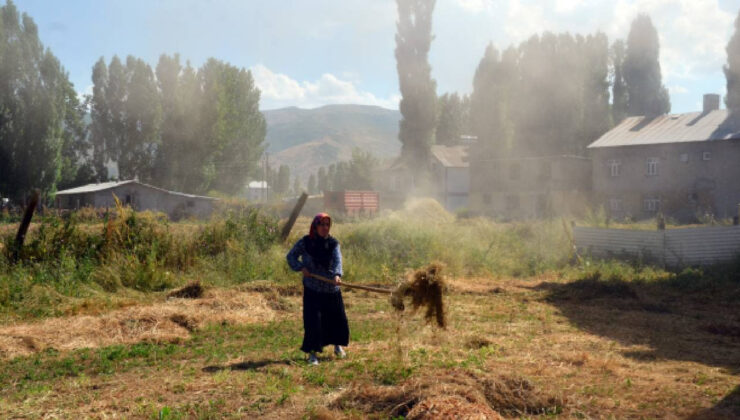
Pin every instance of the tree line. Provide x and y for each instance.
(551, 94)
(175, 126)
(354, 174)
(181, 128)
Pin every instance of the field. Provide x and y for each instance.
(87, 329)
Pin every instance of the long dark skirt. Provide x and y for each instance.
(324, 320)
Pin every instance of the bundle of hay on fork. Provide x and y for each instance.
(425, 287)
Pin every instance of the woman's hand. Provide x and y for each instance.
(337, 280)
(305, 272)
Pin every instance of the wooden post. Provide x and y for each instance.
(25, 222)
(293, 216)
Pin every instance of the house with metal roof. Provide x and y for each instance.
(138, 195)
(684, 166)
(451, 174)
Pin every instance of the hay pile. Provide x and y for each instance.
(449, 394)
(425, 287)
(424, 209)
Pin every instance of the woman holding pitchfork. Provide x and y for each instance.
(324, 319)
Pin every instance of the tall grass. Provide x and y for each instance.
(71, 258)
(79, 258)
(424, 232)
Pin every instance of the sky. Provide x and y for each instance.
(310, 53)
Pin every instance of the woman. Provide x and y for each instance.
(324, 319)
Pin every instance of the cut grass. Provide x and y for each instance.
(235, 370)
(607, 339)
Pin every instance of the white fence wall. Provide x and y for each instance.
(672, 247)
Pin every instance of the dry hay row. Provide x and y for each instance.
(170, 321)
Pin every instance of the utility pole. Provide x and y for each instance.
(267, 168)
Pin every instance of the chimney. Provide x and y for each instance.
(711, 102)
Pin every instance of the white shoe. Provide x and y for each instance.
(312, 359)
(339, 352)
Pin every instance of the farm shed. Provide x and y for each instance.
(138, 195)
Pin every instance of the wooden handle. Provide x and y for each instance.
(352, 286)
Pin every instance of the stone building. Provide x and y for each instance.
(530, 187)
(684, 166)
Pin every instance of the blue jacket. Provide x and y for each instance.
(299, 258)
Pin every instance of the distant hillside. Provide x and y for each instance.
(306, 139)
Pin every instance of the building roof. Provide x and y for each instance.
(451, 156)
(669, 128)
(94, 187)
(102, 186)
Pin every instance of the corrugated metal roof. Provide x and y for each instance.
(102, 186)
(669, 128)
(94, 187)
(451, 156)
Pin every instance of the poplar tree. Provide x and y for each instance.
(39, 110)
(451, 119)
(283, 180)
(646, 94)
(418, 89)
(732, 73)
(619, 89)
(182, 129)
(491, 104)
(322, 182)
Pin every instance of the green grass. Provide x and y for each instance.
(75, 261)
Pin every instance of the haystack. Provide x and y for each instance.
(453, 393)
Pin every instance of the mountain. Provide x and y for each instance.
(306, 139)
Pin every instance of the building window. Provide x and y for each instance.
(706, 155)
(615, 204)
(515, 171)
(614, 167)
(651, 204)
(684, 157)
(652, 166)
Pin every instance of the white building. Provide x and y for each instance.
(258, 191)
